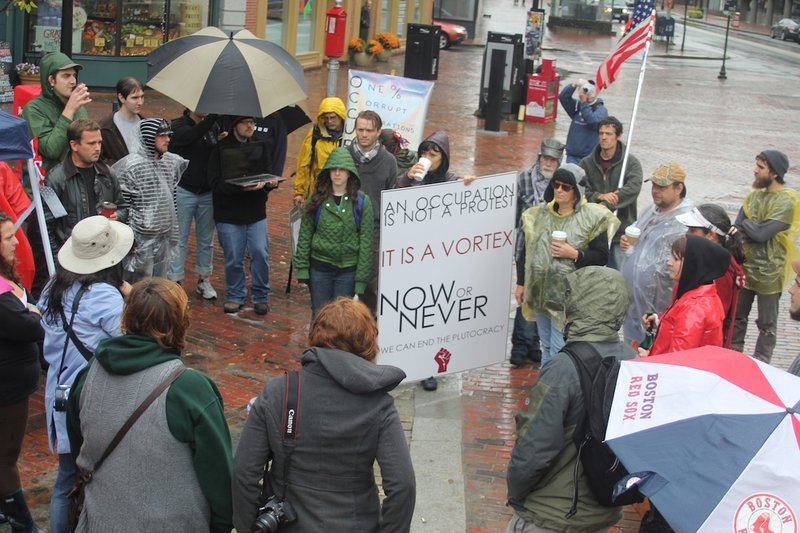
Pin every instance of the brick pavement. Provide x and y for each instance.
(240, 352)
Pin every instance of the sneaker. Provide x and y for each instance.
(261, 308)
(205, 290)
(231, 307)
(430, 384)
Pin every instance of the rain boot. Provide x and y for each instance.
(16, 511)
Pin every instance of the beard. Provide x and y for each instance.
(762, 183)
(547, 173)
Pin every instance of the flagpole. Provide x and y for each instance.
(636, 104)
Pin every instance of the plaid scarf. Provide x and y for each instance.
(365, 157)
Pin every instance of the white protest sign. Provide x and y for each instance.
(402, 103)
(446, 253)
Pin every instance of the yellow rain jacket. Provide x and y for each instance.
(316, 148)
(769, 264)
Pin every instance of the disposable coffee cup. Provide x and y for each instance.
(632, 233)
(426, 165)
(560, 236)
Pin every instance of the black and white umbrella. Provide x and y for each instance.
(238, 74)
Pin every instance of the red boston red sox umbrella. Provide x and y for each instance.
(714, 437)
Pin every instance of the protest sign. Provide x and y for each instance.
(445, 277)
(402, 103)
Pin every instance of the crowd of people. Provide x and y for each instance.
(113, 320)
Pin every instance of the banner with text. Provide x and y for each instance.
(445, 277)
(402, 103)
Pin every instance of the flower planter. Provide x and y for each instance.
(361, 59)
(28, 79)
(384, 56)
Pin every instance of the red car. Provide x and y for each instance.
(451, 34)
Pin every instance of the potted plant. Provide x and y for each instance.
(358, 52)
(390, 42)
(28, 73)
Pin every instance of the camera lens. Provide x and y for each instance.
(266, 522)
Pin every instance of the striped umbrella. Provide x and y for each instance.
(237, 74)
(713, 437)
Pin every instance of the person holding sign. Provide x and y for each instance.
(334, 250)
(561, 235)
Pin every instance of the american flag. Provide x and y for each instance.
(638, 32)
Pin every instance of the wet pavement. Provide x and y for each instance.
(461, 435)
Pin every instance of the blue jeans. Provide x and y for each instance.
(525, 337)
(197, 207)
(59, 503)
(326, 286)
(551, 337)
(235, 240)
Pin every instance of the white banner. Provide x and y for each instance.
(402, 103)
(445, 277)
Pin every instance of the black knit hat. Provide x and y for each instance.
(777, 161)
(565, 174)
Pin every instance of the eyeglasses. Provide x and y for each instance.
(566, 187)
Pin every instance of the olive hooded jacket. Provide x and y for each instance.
(44, 117)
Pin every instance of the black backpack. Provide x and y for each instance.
(598, 376)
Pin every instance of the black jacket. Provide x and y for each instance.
(232, 203)
(20, 330)
(68, 185)
(194, 141)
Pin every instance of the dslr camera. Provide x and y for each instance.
(61, 397)
(274, 513)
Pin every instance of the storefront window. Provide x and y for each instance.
(454, 9)
(275, 17)
(386, 15)
(401, 18)
(116, 27)
(305, 26)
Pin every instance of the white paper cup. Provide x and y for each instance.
(632, 233)
(559, 236)
(426, 164)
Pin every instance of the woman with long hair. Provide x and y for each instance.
(86, 297)
(696, 314)
(345, 421)
(334, 250)
(713, 223)
(20, 331)
(172, 469)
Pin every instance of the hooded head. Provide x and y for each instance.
(703, 262)
(568, 173)
(595, 304)
(334, 105)
(50, 65)
(439, 142)
(392, 141)
(149, 128)
(341, 158)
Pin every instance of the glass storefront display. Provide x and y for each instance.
(305, 26)
(275, 21)
(386, 15)
(401, 18)
(116, 27)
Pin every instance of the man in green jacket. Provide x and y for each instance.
(61, 102)
(603, 168)
(542, 465)
(48, 115)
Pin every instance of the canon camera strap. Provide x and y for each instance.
(291, 405)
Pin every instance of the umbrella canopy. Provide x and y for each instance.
(294, 117)
(714, 436)
(213, 72)
(15, 143)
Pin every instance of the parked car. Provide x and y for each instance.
(451, 34)
(619, 12)
(786, 29)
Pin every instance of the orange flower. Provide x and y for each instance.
(374, 47)
(355, 45)
(389, 40)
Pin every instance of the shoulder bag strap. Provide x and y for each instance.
(137, 413)
(290, 417)
(86, 352)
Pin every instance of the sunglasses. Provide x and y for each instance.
(566, 187)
